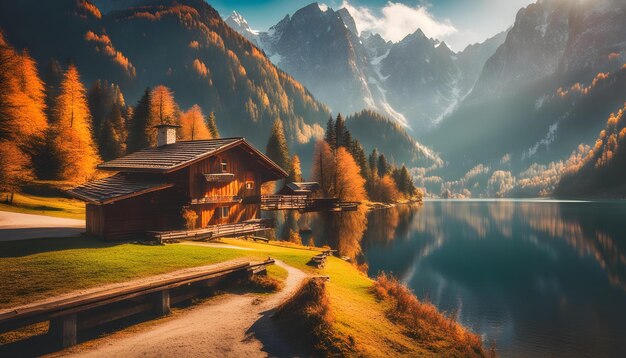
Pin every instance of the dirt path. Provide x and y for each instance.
(231, 325)
(17, 226)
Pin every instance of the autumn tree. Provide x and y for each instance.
(358, 153)
(338, 174)
(156, 106)
(14, 169)
(277, 149)
(212, 125)
(323, 168)
(163, 108)
(295, 174)
(22, 116)
(193, 125)
(73, 141)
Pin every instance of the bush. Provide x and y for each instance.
(424, 322)
(190, 218)
(307, 317)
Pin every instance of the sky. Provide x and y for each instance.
(457, 22)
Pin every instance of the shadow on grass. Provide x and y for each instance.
(36, 246)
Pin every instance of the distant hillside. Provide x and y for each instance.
(374, 130)
(602, 172)
(183, 44)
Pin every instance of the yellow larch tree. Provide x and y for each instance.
(193, 125)
(73, 139)
(163, 107)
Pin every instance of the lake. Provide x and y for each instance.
(537, 278)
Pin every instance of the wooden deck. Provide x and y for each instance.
(69, 313)
(305, 204)
(214, 231)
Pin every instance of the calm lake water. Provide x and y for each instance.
(538, 278)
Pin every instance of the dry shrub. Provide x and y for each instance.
(265, 283)
(190, 217)
(423, 321)
(308, 319)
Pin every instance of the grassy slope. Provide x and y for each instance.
(44, 205)
(46, 267)
(36, 269)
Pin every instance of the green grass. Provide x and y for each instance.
(35, 269)
(358, 316)
(44, 205)
(40, 268)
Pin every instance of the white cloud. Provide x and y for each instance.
(398, 20)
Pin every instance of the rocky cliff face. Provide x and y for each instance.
(556, 37)
(415, 82)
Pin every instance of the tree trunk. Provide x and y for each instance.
(11, 200)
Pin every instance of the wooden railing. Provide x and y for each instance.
(305, 204)
(85, 310)
(217, 199)
(219, 177)
(214, 231)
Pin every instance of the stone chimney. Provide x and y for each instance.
(166, 134)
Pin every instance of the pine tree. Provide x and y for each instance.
(141, 124)
(358, 153)
(277, 149)
(340, 131)
(331, 135)
(382, 166)
(73, 140)
(52, 76)
(373, 162)
(212, 124)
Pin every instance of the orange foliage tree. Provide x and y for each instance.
(163, 108)
(22, 116)
(193, 125)
(73, 139)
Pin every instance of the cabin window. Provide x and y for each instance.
(224, 166)
(249, 185)
(224, 211)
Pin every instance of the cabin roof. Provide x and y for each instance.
(116, 187)
(175, 156)
(303, 187)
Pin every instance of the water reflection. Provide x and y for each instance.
(541, 279)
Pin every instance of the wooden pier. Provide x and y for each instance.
(214, 231)
(70, 314)
(305, 204)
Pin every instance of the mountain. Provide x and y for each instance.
(556, 37)
(544, 92)
(239, 24)
(183, 44)
(415, 81)
(376, 131)
(316, 47)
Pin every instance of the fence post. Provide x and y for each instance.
(64, 328)
(162, 302)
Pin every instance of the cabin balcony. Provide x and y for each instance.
(219, 177)
(218, 199)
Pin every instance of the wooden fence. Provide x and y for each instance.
(82, 311)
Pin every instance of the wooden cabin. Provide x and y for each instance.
(300, 188)
(219, 179)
